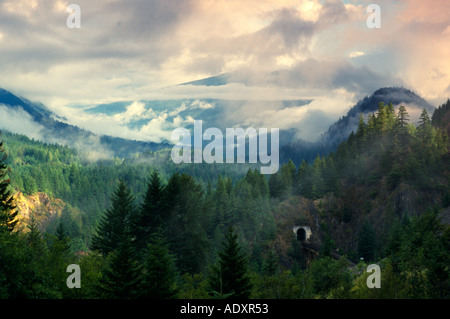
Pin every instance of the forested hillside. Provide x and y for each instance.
(146, 228)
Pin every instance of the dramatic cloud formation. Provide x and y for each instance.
(272, 50)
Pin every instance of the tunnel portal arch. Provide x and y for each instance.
(302, 233)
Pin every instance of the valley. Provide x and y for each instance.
(378, 196)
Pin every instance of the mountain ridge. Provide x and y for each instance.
(56, 129)
(342, 128)
(53, 130)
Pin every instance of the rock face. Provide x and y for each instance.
(44, 209)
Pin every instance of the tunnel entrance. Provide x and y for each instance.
(301, 234)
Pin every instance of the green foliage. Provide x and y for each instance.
(159, 270)
(194, 205)
(283, 285)
(330, 278)
(392, 285)
(187, 222)
(387, 145)
(296, 253)
(115, 226)
(271, 263)
(8, 213)
(229, 277)
(366, 242)
(151, 214)
(193, 287)
(122, 277)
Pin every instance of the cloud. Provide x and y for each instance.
(274, 49)
(19, 121)
(155, 126)
(356, 54)
(135, 110)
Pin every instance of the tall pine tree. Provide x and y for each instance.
(115, 225)
(151, 214)
(122, 277)
(229, 276)
(8, 212)
(159, 271)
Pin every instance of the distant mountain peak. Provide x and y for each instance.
(216, 80)
(340, 130)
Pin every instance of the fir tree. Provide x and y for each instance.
(159, 271)
(426, 133)
(115, 225)
(63, 240)
(391, 120)
(361, 130)
(37, 278)
(122, 277)
(229, 276)
(151, 215)
(186, 230)
(382, 118)
(59, 258)
(275, 185)
(8, 212)
(34, 240)
(402, 117)
(425, 129)
(271, 263)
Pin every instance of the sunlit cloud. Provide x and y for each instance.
(272, 50)
(356, 54)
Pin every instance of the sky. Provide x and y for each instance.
(321, 50)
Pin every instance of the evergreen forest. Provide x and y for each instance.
(143, 227)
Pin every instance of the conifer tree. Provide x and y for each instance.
(115, 225)
(34, 240)
(151, 214)
(271, 263)
(425, 129)
(426, 135)
(59, 258)
(401, 126)
(8, 212)
(186, 230)
(122, 277)
(299, 178)
(63, 240)
(391, 115)
(361, 130)
(37, 277)
(402, 117)
(382, 118)
(275, 185)
(159, 270)
(229, 276)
